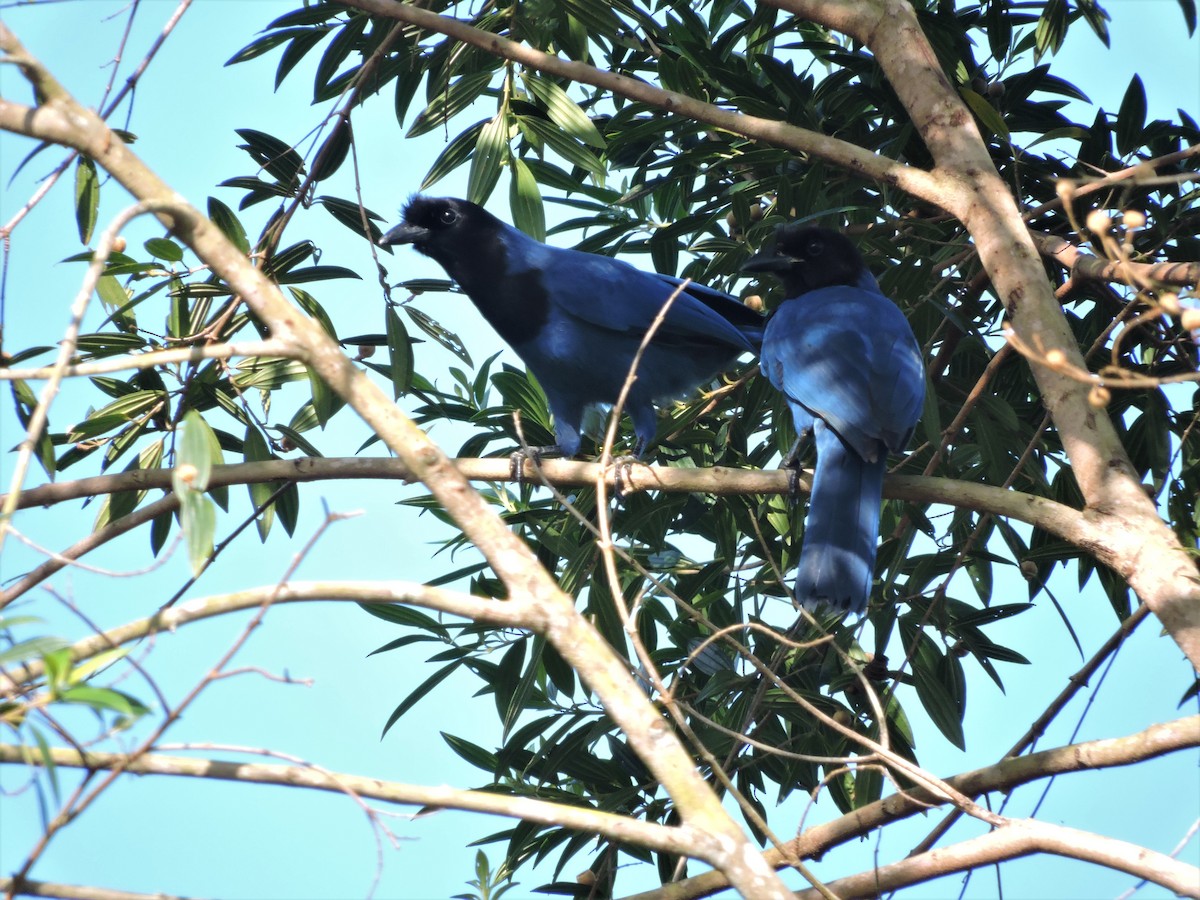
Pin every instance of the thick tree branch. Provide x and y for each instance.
(672, 839)
(1157, 740)
(1011, 841)
(60, 119)
(1084, 265)
(911, 180)
(1055, 518)
(28, 887)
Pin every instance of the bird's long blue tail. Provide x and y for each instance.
(837, 562)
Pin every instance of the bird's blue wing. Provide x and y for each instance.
(611, 294)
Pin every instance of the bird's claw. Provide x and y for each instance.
(792, 464)
(516, 461)
(623, 475)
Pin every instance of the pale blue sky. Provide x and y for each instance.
(207, 839)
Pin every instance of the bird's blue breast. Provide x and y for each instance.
(848, 356)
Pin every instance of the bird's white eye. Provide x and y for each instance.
(814, 248)
(448, 216)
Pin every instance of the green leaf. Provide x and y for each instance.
(264, 44)
(421, 691)
(102, 660)
(439, 333)
(562, 144)
(322, 398)
(160, 530)
(1097, 18)
(491, 152)
(114, 415)
(985, 112)
(198, 518)
(564, 111)
(268, 373)
(472, 753)
(47, 761)
(1131, 120)
(941, 689)
(225, 219)
(999, 29)
(347, 35)
(31, 648)
(58, 664)
(400, 348)
(110, 292)
(525, 199)
(287, 505)
(350, 215)
(304, 41)
(310, 305)
(316, 273)
(299, 441)
(275, 156)
(195, 454)
(255, 449)
(457, 152)
(334, 151)
(399, 614)
(87, 198)
(100, 698)
(451, 102)
(1051, 29)
(1188, 7)
(162, 248)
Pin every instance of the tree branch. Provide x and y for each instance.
(29, 888)
(1157, 740)
(911, 180)
(1011, 841)
(513, 613)
(672, 839)
(151, 359)
(1084, 265)
(84, 546)
(1056, 518)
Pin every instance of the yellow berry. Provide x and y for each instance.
(1133, 218)
(1098, 221)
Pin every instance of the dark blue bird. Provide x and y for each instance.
(577, 319)
(845, 357)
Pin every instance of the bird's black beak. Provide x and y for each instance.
(767, 261)
(404, 233)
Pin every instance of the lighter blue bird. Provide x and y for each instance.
(846, 359)
(577, 319)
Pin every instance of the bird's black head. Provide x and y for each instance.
(444, 228)
(805, 258)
